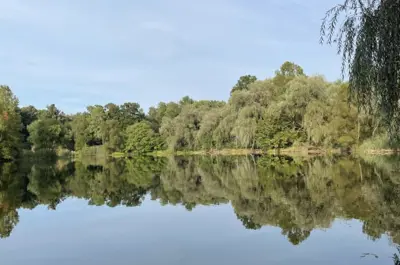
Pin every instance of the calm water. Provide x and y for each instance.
(201, 210)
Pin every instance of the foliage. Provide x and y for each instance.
(10, 125)
(244, 82)
(140, 138)
(105, 125)
(163, 110)
(29, 114)
(331, 121)
(180, 132)
(369, 42)
(46, 133)
(287, 72)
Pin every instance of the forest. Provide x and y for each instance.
(290, 109)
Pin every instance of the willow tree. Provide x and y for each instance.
(368, 39)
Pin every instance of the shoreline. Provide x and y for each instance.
(294, 151)
(291, 151)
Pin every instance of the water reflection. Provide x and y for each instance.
(396, 259)
(296, 194)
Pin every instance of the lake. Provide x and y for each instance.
(201, 210)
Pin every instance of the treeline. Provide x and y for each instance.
(287, 110)
(294, 194)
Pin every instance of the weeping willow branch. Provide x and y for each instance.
(367, 35)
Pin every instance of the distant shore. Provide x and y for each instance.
(298, 151)
(292, 151)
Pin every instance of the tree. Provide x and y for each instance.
(186, 100)
(28, 115)
(222, 135)
(163, 110)
(96, 118)
(282, 120)
(244, 82)
(112, 111)
(244, 129)
(105, 125)
(10, 124)
(369, 42)
(80, 132)
(287, 72)
(180, 132)
(332, 121)
(140, 138)
(130, 114)
(248, 223)
(51, 112)
(113, 138)
(204, 136)
(46, 133)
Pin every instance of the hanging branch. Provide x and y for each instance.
(368, 39)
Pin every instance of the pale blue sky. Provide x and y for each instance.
(76, 53)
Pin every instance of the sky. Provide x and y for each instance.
(76, 53)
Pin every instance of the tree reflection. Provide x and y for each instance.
(396, 259)
(297, 195)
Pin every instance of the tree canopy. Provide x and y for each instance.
(141, 139)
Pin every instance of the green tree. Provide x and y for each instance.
(46, 133)
(244, 129)
(52, 112)
(140, 138)
(28, 115)
(243, 83)
(287, 72)
(130, 114)
(204, 137)
(186, 100)
(163, 110)
(222, 135)
(180, 132)
(332, 121)
(96, 119)
(10, 125)
(80, 131)
(104, 125)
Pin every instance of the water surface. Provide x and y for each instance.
(201, 210)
